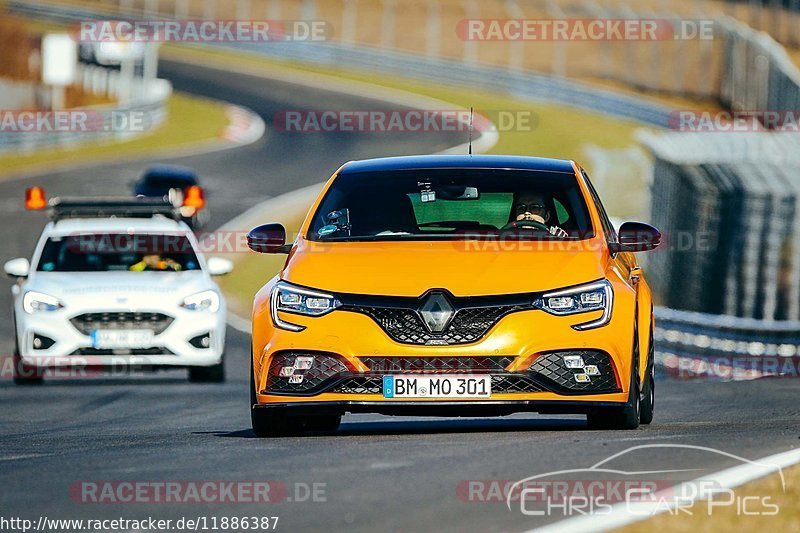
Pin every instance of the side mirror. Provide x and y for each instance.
(17, 268)
(268, 239)
(219, 266)
(636, 237)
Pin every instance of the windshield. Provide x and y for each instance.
(452, 204)
(106, 252)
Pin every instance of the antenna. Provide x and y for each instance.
(470, 131)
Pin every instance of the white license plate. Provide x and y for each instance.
(122, 338)
(444, 386)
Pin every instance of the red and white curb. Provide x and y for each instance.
(244, 126)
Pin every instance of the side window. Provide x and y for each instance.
(608, 228)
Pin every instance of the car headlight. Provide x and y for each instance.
(207, 301)
(300, 301)
(35, 302)
(596, 296)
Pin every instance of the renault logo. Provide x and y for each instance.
(436, 312)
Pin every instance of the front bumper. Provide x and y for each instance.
(523, 337)
(72, 347)
(476, 408)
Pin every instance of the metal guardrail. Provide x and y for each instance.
(693, 345)
(146, 111)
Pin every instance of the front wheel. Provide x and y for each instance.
(648, 395)
(267, 423)
(626, 418)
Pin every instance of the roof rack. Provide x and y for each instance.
(171, 205)
(63, 208)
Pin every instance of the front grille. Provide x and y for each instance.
(87, 322)
(404, 325)
(467, 364)
(552, 368)
(323, 368)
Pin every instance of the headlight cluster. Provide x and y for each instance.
(207, 301)
(594, 296)
(291, 299)
(35, 302)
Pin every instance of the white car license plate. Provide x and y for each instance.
(444, 386)
(122, 338)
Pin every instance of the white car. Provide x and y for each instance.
(127, 290)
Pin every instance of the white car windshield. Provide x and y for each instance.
(105, 252)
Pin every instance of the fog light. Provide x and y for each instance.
(303, 363)
(286, 371)
(295, 378)
(201, 341)
(591, 370)
(573, 361)
(40, 342)
(582, 378)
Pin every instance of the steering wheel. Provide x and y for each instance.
(532, 224)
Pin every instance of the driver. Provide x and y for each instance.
(155, 262)
(530, 207)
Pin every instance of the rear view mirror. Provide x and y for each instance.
(636, 237)
(268, 239)
(456, 192)
(17, 268)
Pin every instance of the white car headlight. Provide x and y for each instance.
(35, 302)
(290, 299)
(207, 301)
(596, 296)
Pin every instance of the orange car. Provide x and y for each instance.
(453, 286)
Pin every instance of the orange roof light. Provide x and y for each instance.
(35, 199)
(194, 196)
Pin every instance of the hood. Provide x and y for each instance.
(125, 290)
(463, 268)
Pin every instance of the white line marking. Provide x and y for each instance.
(24, 456)
(623, 514)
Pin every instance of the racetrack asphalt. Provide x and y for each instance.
(378, 473)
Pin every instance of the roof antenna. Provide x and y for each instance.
(470, 131)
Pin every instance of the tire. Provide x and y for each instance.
(208, 374)
(648, 395)
(625, 418)
(268, 423)
(26, 374)
(628, 416)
